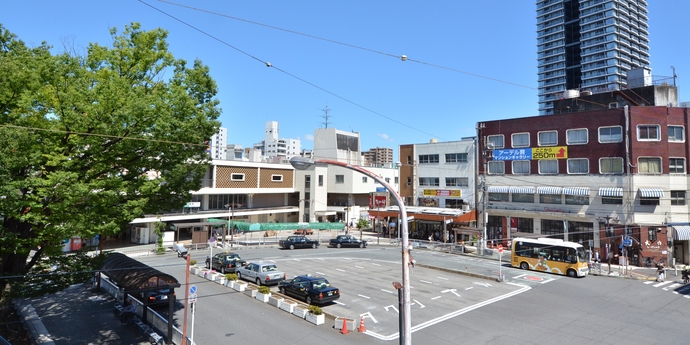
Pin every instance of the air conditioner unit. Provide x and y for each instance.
(490, 145)
(465, 207)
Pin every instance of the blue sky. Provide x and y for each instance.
(473, 60)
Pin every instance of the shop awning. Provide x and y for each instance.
(651, 192)
(579, 191)
(497, 189)
(681, 232)
(611, 191)
(521, 189)
(550, 190)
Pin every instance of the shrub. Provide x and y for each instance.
(192, 262)
(264, 290)
(316, 310)
(231, 276)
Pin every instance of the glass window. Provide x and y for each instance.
(456, 157)
(649, 201)
(649, 165)
(577, 136)
(498, 197)
(577, 199)
(320, 180)
(612, 200)
(339, 178)
(552, 227)
(364, 179)
(520, 140)
(277, 178)
(611, 134)
(550, 199)
(496, 140)
(524, 224)
(549, 166)
(497, 168)
(611, 165)
(648, 132)
(429, 181)
(651, 234)
(457, 181)
(409, 181)
(676, 165)
(428, 159)
(454, 203)
(678, 197)
(548, 138)
(522, 197)
(236, 177)
(578, 166)
(520, 167)
(676, 133)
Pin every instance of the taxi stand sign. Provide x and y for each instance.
(500, 255)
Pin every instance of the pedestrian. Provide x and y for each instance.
(596, 256)
(660, 275)
(128, 310)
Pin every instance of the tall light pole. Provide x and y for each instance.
(302, 163)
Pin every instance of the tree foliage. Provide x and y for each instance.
(88, 143)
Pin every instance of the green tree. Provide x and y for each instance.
(87, 143)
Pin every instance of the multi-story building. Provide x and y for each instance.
(275, 149)
(588, 45)
(378, 157)
(218, 145)
(600, 178)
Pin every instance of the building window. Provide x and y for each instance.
(676, 133)
(497, 168)
(648, 132)
(456, 157)
(409, 160)
(612, 200)
(409, 181)
(498, 197)
(364, 179)
(237, 177)
(428, 159)
(276, 178)
(552, 227)
(676, 165)
(649, 165)
(523, 197)
(577, 199)
(454, 203)
(429, 181)
(611, 165)
(613, 105)
(520, 139)
(339, 179)
(548, 138)
(678, 197)
(396, 180)
(576, 136)
(457, 181)
(320, 180)
(387, 179)
(307, 182)
(523, 224)
(651, 234)
(520, 167)
(550, 199)
(548, 166)
(611, 134)
(496, 141)
(578, 166)
(649, 201)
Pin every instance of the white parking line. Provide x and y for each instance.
(442, 278)
(321, 274)
(437, 297)
(359, 267)
(375, 264)
(387, 291)
(367, 297)
(339, 303)
(469, 288)
(338, 269)
(424, 281)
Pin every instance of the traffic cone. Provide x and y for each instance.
(344, 329)
(361, 325)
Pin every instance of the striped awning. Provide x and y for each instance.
(550, 190)
(521, 189)
(611, 191)
(580, 191)
(681, 232)
(497, 189)
(651, 192)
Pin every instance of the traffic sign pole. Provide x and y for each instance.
(500, 264)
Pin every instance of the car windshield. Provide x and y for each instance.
(234, 257)
(269, 268)
(320, 284)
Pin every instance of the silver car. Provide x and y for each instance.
(262, 273)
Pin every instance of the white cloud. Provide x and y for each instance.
(309, 137)
(385, 137)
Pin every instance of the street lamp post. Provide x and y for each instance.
(302, 163)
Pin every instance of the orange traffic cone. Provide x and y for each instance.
(361, 325)
(344, 329)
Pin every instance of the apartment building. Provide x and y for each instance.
(378, 157)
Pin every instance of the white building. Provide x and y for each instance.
(275, 149)
(219, 144)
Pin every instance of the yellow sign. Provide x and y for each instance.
(442, 192)
(553, 152)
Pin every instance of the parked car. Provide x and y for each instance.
(313, 290)
(225, 262)
(304, 232)
(298, 241)
(346, 241)
(181, 250)
(156, 298)
(262, 273)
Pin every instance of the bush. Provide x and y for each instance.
(264, 290)
(231, 276)
(316, 310)
(192, 262)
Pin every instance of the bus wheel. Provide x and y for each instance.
(524, 266)
(572, 273)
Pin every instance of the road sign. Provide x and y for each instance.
(192, 298)
(627, 242)
(192, 289)
(500, 248)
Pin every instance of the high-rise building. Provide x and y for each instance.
(378, 156)
(275, 149)
(219, 144)
(588, 45)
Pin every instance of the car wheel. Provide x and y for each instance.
(313, 246)
(361, 245)
(572, 273)
(282, 290)
(337, 245)
(292, 246)
(258, 281)
(524, 266)
(308, 300)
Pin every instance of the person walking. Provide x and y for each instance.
(660, 275)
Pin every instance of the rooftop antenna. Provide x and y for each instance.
(325, 116)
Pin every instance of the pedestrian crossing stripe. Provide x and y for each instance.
(672, 286)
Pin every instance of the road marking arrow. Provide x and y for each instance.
(391, 306)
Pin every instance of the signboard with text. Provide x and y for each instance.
(442, 192)
(536, 153)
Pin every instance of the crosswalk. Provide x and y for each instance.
(673, 286)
